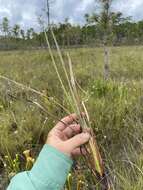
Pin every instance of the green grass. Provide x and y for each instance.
(115, 107)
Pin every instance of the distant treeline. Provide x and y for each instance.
(124, 31)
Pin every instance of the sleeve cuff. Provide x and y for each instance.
(51, 168)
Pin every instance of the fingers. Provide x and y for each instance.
(78, 140)
(61, 125)
(87, 130)
(79, 151)
(71, 130)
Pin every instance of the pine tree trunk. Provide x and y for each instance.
(106, 62)
(48, 12)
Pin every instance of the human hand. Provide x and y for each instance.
(66, 136)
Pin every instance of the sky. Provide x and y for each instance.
(26, 12)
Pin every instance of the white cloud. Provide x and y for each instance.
(25, 12)
(22, 12)
(130, 8)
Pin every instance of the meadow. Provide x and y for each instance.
(115, 107)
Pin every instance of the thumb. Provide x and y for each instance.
(78, 140)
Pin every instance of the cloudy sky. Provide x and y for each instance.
(25, 12)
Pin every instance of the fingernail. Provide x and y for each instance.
(86, 135)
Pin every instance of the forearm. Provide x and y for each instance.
(49, 172)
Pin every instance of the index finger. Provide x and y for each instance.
(61, 125)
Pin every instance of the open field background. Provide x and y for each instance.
(115, 107)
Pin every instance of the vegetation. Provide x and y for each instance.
(115, 108)
(36, 91)
(118, 30)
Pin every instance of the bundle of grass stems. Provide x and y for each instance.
(93, 158)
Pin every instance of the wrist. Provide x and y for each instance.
(50, 162)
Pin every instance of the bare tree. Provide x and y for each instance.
(48, 11)
(104, 22)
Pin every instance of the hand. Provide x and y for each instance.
(66, 136)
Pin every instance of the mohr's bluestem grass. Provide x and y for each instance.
(95, 162)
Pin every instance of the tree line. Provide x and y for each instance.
(106, 27)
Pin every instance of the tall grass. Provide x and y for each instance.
(94, 160)
(115, 108)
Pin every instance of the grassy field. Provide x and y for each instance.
(115, 107)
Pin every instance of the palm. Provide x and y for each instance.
(65, 136)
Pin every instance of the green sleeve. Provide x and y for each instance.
(48, 173)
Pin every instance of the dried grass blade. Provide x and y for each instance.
(57, 72)
(28, 88)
